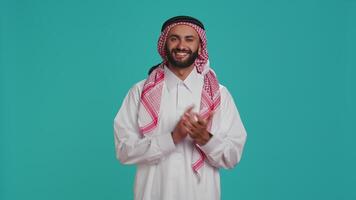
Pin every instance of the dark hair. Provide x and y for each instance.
(153, 68)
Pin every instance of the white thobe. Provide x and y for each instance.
(164, 170)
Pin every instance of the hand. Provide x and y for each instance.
(181, 131)
(198, 127)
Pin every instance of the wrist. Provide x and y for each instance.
(207, 138)
(176, 138)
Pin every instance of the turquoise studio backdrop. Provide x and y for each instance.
(67, 65)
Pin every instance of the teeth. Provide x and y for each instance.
(181, 54)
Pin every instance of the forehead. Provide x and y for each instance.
(183, 30)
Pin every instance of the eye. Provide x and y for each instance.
(172, 39)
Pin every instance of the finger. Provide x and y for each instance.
(189, 109)
(187, 121)
(197, 125)
(203, 121)
(188, 125)
(187, 115)
(186, 130)
(200, 121)
(197, 132)
(191, 116)
(193, 135)
(184, 118)
(195, 117)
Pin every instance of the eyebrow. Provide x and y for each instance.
(188, 36)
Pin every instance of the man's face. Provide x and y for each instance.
(182, 46)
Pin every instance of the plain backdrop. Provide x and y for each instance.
(65, 67)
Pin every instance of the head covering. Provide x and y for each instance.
(150, 101)
(182, 18)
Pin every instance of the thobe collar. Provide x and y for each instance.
(191, 82)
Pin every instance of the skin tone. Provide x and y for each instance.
(182, 40)
(194, 125)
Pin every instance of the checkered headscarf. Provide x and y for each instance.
(152, 90)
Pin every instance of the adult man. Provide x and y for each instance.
(179, 126)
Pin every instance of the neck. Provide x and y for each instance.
(182, 74)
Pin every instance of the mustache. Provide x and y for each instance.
(181, 51)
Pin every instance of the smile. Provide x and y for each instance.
(180, 55)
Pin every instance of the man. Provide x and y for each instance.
(179, 126)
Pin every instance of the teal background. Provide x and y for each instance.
(66, 66)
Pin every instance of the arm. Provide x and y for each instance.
(131, 147)
(225, 147)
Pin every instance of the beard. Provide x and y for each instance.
(181, 64)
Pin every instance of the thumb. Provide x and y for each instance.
(206, 120)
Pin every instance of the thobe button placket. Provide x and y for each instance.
(181, 98)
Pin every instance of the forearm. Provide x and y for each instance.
(131, 147)
(224, 152)
(225, 147)
(147, 150)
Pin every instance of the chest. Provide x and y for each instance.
(174, 102)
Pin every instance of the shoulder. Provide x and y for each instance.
(135, 91)
(137, 87)
(224, 91)
(226, 97)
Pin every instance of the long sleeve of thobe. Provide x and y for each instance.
(225, 148)
(131, 146)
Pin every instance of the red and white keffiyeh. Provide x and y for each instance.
(149, 107)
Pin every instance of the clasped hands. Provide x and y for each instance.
(194, 125)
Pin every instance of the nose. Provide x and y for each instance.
(181, 46)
